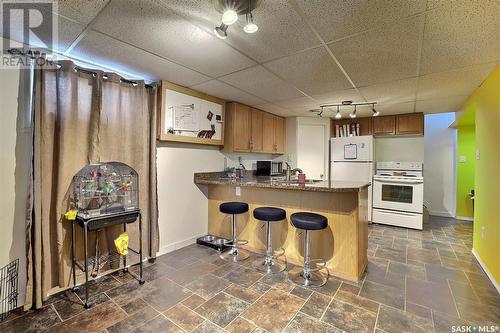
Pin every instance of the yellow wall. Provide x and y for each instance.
(485, 103)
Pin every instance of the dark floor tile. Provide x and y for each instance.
(222, 309)
(93, 320)
(193, 301)
(357, 300)
(431, 295)
(134, 306)
(240, 325)
(127, 292)
(176, 262)
(244, 277)
(330, 288)
(463, 291)
(301, 292)
(191, 272)
(391, 254)
(208, 286)
(260, 287)
(416, 272)
(304, 324)
(419, 310)
(245, 294)
(316, 305)
(279, 281)
(383, 294)
(184, 317)
(133, 321)
(381, 240)
(438, 273)
(349, 318)
(33, 321)
(273, 310)
(444, 323)
(71, 306)
(479, 313)
(157, 325)
(99, 285)
(423, 255)
(469, 265)
(395, 321)
(350, 288)
(164, 294)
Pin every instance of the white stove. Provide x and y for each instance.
(398, 194)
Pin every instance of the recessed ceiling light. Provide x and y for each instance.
(229, 17)
(250, 27)
(221, 31)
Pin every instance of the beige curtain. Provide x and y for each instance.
(83, 117)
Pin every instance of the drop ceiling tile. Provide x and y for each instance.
(109, 52)
(312, 71)
(338, 96)
(262, 83)
(274, 109)
(453, 83)
(460, 34)
(386, 109)
(81, 11)
(227, 92)
(299, 104)
(381, 55)
(154, 27)
(448, 104)
(335, 19)
(391, 92)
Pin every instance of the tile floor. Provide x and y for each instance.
(415, 282)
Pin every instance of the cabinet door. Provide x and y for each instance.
(267, 133)
(279, 135)
(411, 123)
(241, 128)
(257, 131)
(385, 125)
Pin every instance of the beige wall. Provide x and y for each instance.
(399, 149)
(15, 146)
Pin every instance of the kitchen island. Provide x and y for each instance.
(345, 204)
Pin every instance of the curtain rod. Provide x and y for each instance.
(37, 54)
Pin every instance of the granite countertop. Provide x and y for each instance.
(250, 180)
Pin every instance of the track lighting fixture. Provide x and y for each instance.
(375, 112)
(229, 17)
(338, 115)
(250, 27)
(221, 31)
(353, 113)
(344, 104)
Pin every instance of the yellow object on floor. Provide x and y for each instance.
(121, 244)
(70, 215)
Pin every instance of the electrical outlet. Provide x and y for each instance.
(462, 159)
(483, 232)
(478, 154)
(238, 191)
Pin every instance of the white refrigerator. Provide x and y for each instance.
(351, 159)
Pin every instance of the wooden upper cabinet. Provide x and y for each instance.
(384, 125)
(257, 130)
(241, 127)
(252, 130)
(267, 132)
(411, 123)
(279, 135)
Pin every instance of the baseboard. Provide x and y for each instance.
(486, 270)
(440, 213)
(463, 218)
(177, 245)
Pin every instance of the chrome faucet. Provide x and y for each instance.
(289, 171)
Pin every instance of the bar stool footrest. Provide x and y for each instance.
(318, 264)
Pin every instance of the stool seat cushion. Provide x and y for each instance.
(309, 221)
(233, 207)
(269, 214)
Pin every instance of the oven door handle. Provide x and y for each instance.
(397, 213)
(388, 181)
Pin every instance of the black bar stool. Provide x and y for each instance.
(309, 275)
(234, 253)
(268, 215)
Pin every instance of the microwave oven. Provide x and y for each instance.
(269, 168)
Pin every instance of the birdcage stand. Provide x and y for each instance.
(97, 223)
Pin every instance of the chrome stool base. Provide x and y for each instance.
(270, 266)
(235, 255)
(312, 280)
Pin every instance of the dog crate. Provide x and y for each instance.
(8, 288)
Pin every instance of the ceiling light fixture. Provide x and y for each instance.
(353, 114)
(250, 27)
(229, 17)
(338, 115)
(221, 31)
(375, 112)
